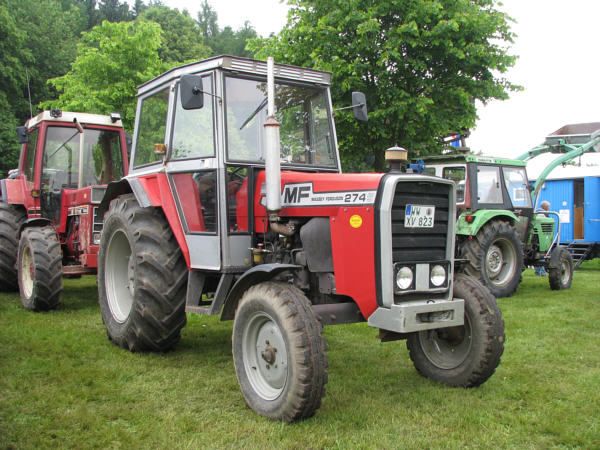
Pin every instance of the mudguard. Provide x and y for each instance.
(258, 274)
(480, 218)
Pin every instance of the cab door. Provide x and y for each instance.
(591, 211)
(195, 177)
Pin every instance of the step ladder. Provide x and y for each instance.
(580, 252)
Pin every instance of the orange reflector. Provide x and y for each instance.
(160, 149)
(469, 219)
(35, 193)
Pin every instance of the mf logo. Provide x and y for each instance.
(296, 193)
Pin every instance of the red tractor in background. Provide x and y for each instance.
(49, 220)
(206, 222)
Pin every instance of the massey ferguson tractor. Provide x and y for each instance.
(49, 220)
(235, 204)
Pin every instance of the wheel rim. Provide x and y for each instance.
(119, 276)
(500, 262)
(27, 272)
(565, 272)
(447, 348)
(265, 356)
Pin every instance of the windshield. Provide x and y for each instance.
(102, 159)
(515, 180)
(303, 113)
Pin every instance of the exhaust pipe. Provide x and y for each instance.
(272, 158)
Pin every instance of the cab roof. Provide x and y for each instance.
(459, 158)
(237, 64)
(68, 117)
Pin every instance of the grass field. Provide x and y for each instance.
(63, 384)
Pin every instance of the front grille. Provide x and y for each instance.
(547, 228)
(420, 244)
(98, 221)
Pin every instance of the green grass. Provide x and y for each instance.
(63, 384)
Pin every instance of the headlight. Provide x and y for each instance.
(437, 275)
(404, 278)
(96, 238)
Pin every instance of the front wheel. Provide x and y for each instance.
(467, 355)
(560, 270)
(279, 352)
(39, 265)
(142, 278)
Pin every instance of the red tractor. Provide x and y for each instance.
(49, 220)
(207, 222)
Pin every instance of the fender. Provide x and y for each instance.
(481, 217)
(12, 191)
(258, 274)
(37, 222)
(113, 190)
(150, 190)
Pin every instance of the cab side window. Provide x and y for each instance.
(151, 129)
(30, 155)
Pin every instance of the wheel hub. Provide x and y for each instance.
(27, 272)
(500, 262)
(494, 260)
(119, 276)
(447, 348)
(268, 354)
(265, 356)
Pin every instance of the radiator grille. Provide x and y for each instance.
(420, 244)
(98, 221)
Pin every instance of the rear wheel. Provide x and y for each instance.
(11, 217)
(495, 257)
(142, 278)
(39, 263)
(279, 352)
(468, 355)
(560, 270)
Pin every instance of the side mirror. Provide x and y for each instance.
(22, 135)
(359, 106)
(192, 95)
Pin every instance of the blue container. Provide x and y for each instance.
(578, 201)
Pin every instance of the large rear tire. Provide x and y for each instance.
(279, 352)
(11, 217)
(495, 257)
(39, 263)
(468, 355)
(142, 278)
(560, 270)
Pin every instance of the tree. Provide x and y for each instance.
(114, 11)
(225, 41)
(182, 41)
(113, 59)
(207, 21)
(420, 64)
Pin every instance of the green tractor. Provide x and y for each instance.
(499, 230)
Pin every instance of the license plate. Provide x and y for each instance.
(419, 216)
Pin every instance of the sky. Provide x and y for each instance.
(558, 44)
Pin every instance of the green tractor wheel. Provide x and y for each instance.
(495, 257)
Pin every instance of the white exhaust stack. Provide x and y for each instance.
(272, 162)
(272, 148)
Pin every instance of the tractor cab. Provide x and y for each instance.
(486, 183)
(204, 125)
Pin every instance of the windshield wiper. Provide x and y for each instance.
(62, 145)
(254, 113)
